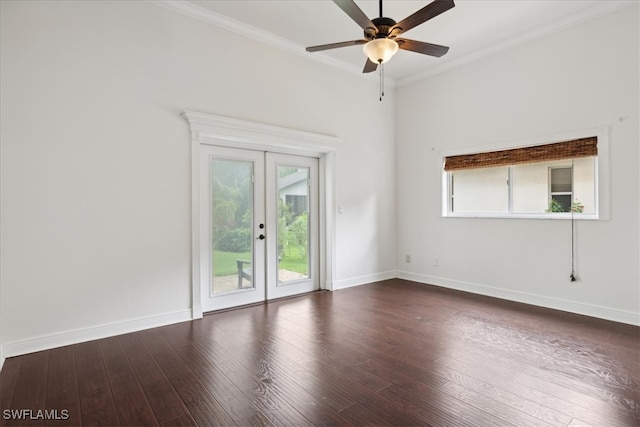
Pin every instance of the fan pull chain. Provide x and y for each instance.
(381, 81)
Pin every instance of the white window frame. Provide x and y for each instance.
(602, 174)
(551, 193)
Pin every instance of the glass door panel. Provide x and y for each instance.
(292, 206)
(293, 224)
(232, 266)
(258, 226)
(231, 225)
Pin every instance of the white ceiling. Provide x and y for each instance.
(472, 29)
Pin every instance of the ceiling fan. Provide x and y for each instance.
(381, 40)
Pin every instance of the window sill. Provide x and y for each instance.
(545, 216)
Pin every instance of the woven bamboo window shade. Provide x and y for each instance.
(584, 147)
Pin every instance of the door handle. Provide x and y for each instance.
(261, 237)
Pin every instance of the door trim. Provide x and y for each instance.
(209, 129)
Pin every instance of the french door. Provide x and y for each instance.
(258, 225)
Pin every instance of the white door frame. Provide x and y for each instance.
(209, 129)
(275, 288)
(254, 161)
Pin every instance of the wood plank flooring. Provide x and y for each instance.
(393, 353)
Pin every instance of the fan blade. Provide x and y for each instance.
(369, 66)
(429, 11)
(335, 45)
(351, 8)
(422, 47)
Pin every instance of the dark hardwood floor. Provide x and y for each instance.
(390, 353)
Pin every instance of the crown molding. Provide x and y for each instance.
(600, 10)
(207, 16)
(202, 14)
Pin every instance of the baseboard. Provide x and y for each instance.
(31, 345)
(196, 312)
(363, 280)
(600, 312)
(17, 348)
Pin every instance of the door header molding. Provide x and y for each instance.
(219, 130)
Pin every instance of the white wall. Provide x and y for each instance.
(96, 160)
(573, 80)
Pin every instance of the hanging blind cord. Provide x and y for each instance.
(572, 277)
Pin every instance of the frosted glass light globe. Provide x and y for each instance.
(380, 50)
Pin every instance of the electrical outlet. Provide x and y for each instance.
(407, 259)
(435, 262)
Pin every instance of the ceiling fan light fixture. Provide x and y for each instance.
(380, 50)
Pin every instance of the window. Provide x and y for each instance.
(560, 189)
(546, 180)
